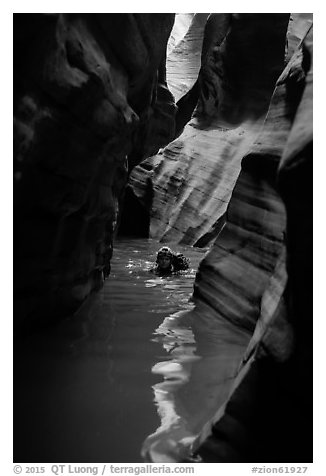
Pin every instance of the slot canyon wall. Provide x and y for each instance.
(214, 132)
(273, 173)
(90, 100)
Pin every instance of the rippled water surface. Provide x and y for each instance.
(135, 375)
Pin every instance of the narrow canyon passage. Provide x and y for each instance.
(138, 370)
(190, 130)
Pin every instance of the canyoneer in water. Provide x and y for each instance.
(168, 262)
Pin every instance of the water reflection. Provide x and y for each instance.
(173, 436)
(199, 354)
(203, 357)
(89, 380)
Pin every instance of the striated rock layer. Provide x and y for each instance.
(90, 96)
(251, 241)
(197, 171)
(265, 417)
(264, 397)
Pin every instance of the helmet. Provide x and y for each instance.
(164, 251)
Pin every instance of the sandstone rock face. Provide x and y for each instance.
(199, 169)
(253, 238)
(89, 93)
(265, 397)
(180, 28)
(184, 56)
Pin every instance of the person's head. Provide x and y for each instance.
(164, 258)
